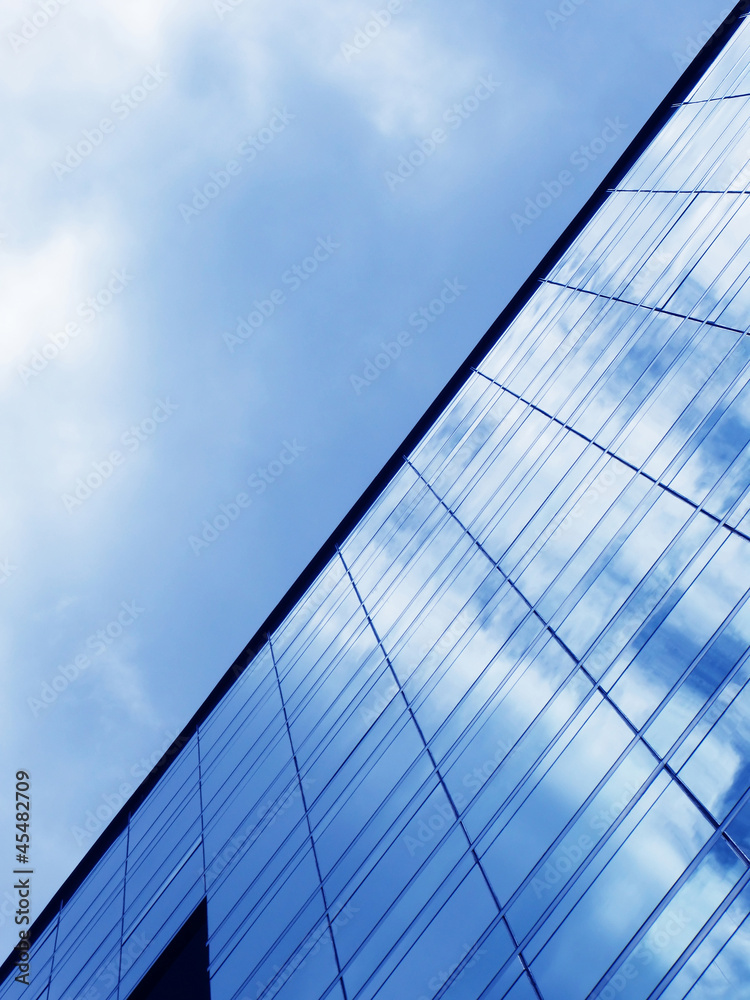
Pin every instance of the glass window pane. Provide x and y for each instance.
(589, 939)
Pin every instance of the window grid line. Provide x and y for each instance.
(309, 827)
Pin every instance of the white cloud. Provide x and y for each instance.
(40, 288)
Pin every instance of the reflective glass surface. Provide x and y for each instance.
(500, 748)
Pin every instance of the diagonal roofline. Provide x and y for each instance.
(684, 85)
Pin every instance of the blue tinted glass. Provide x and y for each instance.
(271, 932)
(591, 936)
(499, 746)
(157, 925)
(720, 964)
(246, 696)
(438, 946)
(41, 965)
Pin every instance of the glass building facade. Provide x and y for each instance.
(499, 746)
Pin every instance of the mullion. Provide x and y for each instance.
(640, 471)
(691, 869)
(307, 820)
(433, 762)
(661, 310)
(714, 958)
(638, 730)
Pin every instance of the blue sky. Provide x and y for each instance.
(214, 216)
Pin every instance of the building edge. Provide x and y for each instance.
(648, 132)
